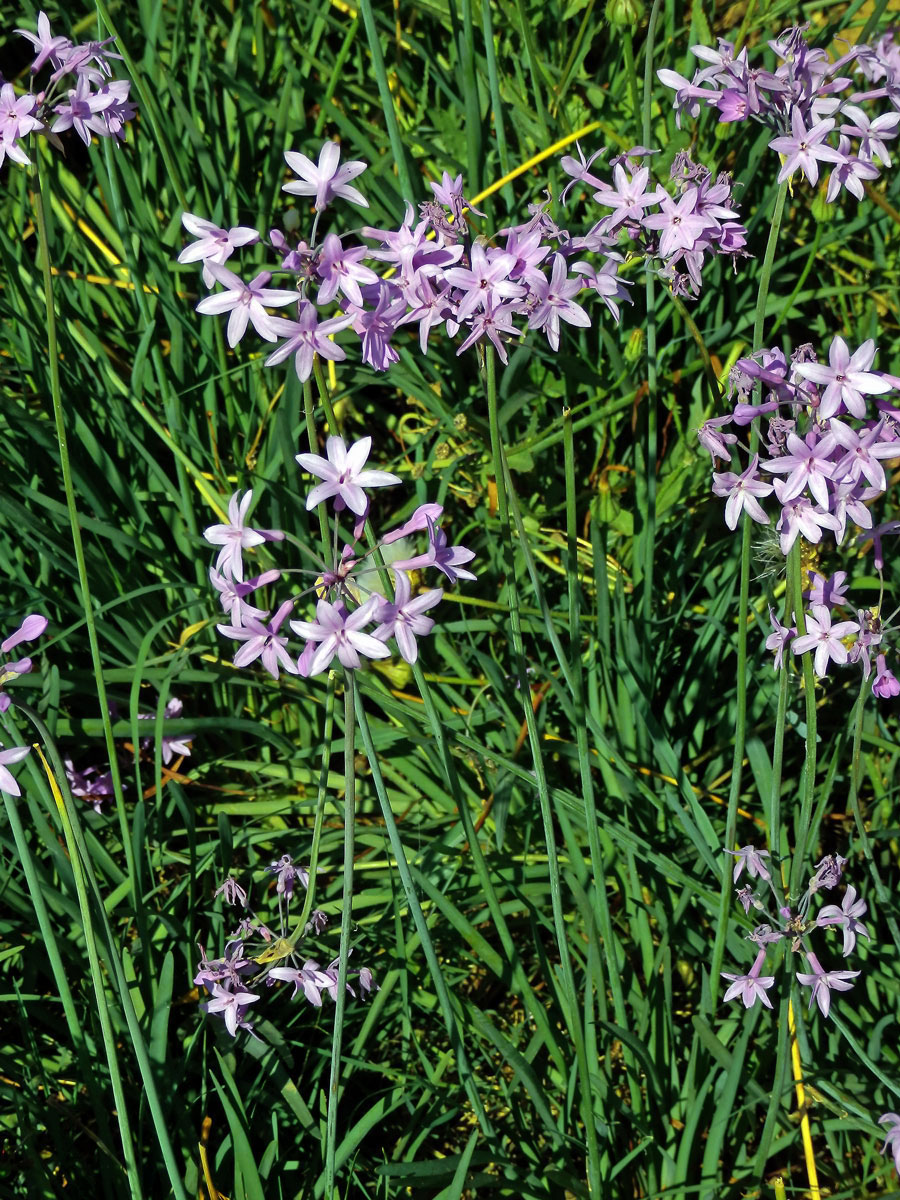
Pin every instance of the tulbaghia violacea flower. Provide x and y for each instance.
(403, 619)
(30, 629)
(448, 559)
(13, 755)
(340, 633)
(232, 1006)
(752, 859)
(846, 379)
(236, 536)
(824, 638)
(752, 986)
(214, 245)
(245, 303)
(823, 982)
(847, 916)
(343, 475)
(892, 1141)
(742, 492)
(307, 337)
(262, 641)
(324, 180)
(886, 684)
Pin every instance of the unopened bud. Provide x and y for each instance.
(625, 13)
(634, 350)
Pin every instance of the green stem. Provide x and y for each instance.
(346, 913)
(96, 914)
(75, 526)
(454, 1033)
(559, 920)
(795, 590)
(387, 101)
(740, 726)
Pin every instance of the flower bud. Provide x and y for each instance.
(625, 13)
(634, 350)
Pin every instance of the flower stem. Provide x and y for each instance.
(740, 724)
(559, 921)
(87, 605)
(346, 921)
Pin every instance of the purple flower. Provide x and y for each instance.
(13, 755)
(171, 746)
(215, 245)
(713, 442)
(823, 982)
(752, 986)
(324, 180)
(45, 43)
(307, 337)
(892, 1141)
(752, 859)
(232, 892)
(30, 629)
(245, 301)
(807, 465)
(262, 641)
(343, 474)
(846, 379)
(872, 134)
(340, 270)
(681, 226)
(403, 620)
(824, 638)
(742, 491)
(804, 148)
(777, 641)
(83, 112)
(554, 302)
(886, 684)
(231, 1005)
(579, 169)
(236, 536)
(339, 632)
(846, 916)
(309, 979)
(287, 873)
(831, 591)
(447, 559)
(486, 282)
(16, 122)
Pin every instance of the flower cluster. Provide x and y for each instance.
(810, 102)
(679, 230)
(254, 955)
(95, 104)
(30, 629)
(824, 456)
(348, 597)
(435, 273)
(796, 928)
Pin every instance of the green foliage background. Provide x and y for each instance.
(632, 669)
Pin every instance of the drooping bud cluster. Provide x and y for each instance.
(796, 929)
(255, 959)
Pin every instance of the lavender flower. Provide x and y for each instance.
(752, 986)
(340, 633)
(847, 916)
(892, 1141)
(13, 755)
(823, 982)
(324, 179)
(343, 474)
(824, 638)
